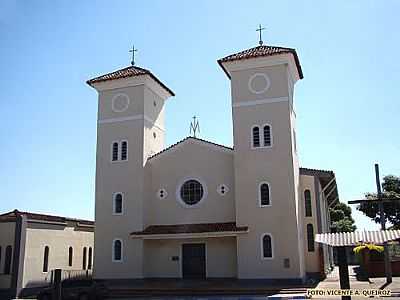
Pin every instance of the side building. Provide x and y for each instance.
(32, 245)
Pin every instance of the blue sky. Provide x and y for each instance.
(347, 104)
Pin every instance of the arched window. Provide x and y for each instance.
(266, 246)
(124, 150)
(84, 258)
(256, 136)
(114, 156)
(267, 136)
(264, 194)
(46, 259)
(310, 238)
(70, 256)
(307, 203)
(117, 250)
(90, 258)
(118, 203)
(7, 260)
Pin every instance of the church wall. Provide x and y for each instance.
(191, 159)
(311, 258)
(121, 176)
(7, 237)
(220, 257)
(135, 107)
(274, 166)
(58, 239)
(278, 84)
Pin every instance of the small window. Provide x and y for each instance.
(222, 189)
(310, 238)
(307, 203)
(7, 260)
(70, 256)
(264, 194)
(267, 136)
(46, 259)
(267, 246)
(114, 151)
(118, 203)
(117, 250)
(256, 137)
(90, 258)
(124, 150)
(84, 258)
(162, 194)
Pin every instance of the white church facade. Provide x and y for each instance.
(198, 209)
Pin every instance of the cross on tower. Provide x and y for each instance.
(194, 126)
(260, 29)
(133, 50)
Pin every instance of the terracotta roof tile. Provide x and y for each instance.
(130, 71)
(12, 215)
(191, 228)
(261, 51)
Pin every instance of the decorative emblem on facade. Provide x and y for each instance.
(259, 83)
(120, 102)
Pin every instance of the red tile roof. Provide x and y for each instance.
(191, 228)
(12, 215)
(130, 71)
(261, 51)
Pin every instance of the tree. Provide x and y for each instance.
(341, 218)
(391, 189)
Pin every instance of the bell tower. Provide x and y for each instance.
(130, 128)
(265, 161)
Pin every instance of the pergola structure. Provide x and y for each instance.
(343, 239)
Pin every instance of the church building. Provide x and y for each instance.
(198, 209)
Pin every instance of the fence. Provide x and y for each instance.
(71, 274)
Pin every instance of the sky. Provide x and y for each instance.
(347, 105)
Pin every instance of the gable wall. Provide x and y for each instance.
(170, 169)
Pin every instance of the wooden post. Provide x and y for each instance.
(343, 270)
(57, 284)
(388, 266)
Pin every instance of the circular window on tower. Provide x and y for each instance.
(191, 192)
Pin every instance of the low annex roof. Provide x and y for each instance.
(12, 216)
(261, 51)
(130, 71)
(191, 228)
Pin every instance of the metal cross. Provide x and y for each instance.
(133, 50)
(260, 29)
(194, 126)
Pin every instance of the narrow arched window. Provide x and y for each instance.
(70, 256)
(46, 259)
(90, 258)
(118, 203)
(310, 238)
(307, 203)
(256, 136)
(267, 246)
(117, 250)
(84, 258)
(264, 194)
(267, 136)
(124, 150)
(114, 151)
(7, 260)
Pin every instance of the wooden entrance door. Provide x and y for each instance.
(194, 261)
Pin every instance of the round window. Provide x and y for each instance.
(191, 192)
